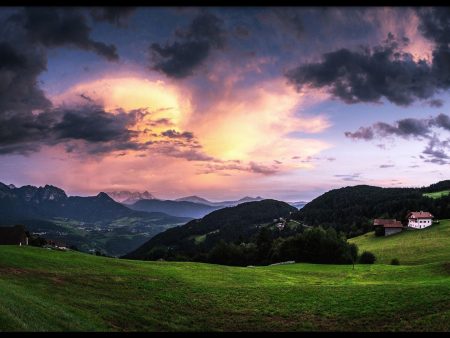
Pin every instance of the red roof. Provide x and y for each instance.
(395, 224)
(387, 223)
(420, 214)
(382, 221)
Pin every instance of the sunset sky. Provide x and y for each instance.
(283, 103)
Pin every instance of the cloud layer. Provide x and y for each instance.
(193, 46)
(413, 128)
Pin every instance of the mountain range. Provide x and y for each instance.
(115, 223)
(222, 204)
(189, 206)
(94, 222)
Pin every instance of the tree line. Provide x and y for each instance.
(312, 245)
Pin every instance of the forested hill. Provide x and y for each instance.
(352, 209)
(239, 223)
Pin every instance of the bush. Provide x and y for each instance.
(395, 261)
(367, 258)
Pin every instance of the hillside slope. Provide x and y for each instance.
(45, 290)
(173, 208)
(228, 224)
(411, 246)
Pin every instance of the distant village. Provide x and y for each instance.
(17, 235)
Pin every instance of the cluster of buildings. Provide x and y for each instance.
(416, 220)
(18, 235)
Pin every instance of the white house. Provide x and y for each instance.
(419, 219)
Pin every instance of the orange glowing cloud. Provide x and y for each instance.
(252, 124)
(162, 99)
(242, 133)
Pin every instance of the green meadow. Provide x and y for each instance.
(48, 290)
(410, 246)
(438, 194)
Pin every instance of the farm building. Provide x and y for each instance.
(419, 219)
(13, 235)
(388, 226)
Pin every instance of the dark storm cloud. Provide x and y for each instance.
(181, 58)
(175, 134)
(385, 71)
(181, 151)
(406, 127)
(101, 131)
(20, 95)
(442, 121)
(27, 118)
(291, 19)
(435, 152)
(261, 169)
(409, 127)
(19, 70)
(435, 24)
(94, 125)
(362, 133)
(349, 177)
(23, 135)
(162, 122)
(435, 103)
(369, 75)
(436, 149)
(235, 165)
(114, 15)
(56, 27)
(87, 98)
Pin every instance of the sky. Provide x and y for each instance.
(283, 103)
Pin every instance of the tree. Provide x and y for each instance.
(264, 243)
(353, 248)
(367, 258)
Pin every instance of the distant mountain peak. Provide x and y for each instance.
(195, 199)
(104, 195)
(130, 197)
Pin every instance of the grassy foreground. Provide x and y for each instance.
(44, 290)
(410, 246)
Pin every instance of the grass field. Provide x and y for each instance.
(45, 290)
(438, 194)
(410, 246)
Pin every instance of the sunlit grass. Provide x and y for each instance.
(45, 290)
(412, 246)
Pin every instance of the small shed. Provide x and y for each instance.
(13, 235)
(390, 226)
